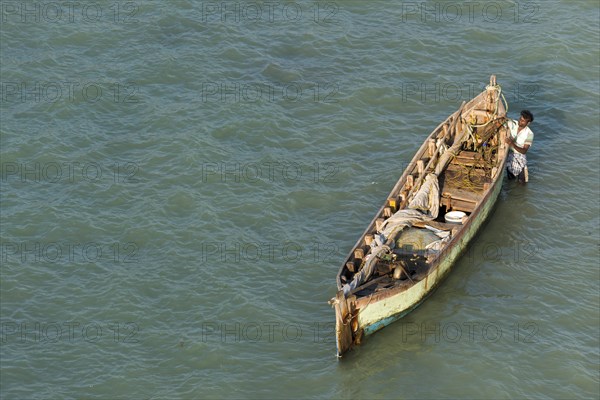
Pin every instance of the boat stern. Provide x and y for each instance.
(345, 318)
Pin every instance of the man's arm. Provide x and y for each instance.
(513, 143)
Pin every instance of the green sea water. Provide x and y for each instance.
(181, 181)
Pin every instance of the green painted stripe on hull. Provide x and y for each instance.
(371, 329)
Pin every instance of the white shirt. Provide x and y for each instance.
(521, 138)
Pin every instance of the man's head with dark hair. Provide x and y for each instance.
(527, 115)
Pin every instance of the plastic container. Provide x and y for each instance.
(454, 217)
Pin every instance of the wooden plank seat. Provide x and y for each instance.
(470, 159)
(458, 199)
(460, 194)
(444, 226)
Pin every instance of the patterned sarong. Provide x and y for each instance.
(516, 162)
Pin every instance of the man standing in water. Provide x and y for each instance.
(519, 141)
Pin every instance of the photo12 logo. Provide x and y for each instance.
(267, 332)
(253, 92)
(69, 172)
(68, 331)
(69, 91)
(269, 12)
(269, 171)
(61, 12)
(470, 11)
(287, 251)
(470, 332)
(435, 92)
(69, 252)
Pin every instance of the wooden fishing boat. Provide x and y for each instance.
(434, 210)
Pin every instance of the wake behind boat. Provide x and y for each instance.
(434, 210)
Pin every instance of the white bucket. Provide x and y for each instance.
(454, 217)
